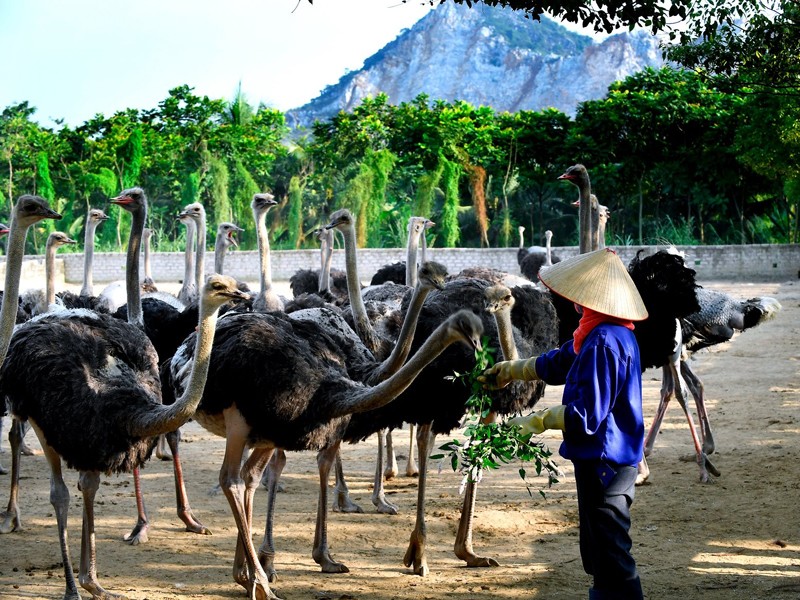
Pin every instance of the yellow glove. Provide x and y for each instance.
(502, 373)
(537, 422)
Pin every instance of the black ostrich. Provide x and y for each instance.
(303, 401)
(96, 402)
(28, 211)
(535, 260)
(323, 285)
(717, 319)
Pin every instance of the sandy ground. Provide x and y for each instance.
(737, 538)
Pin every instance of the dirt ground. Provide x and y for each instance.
(737, 538)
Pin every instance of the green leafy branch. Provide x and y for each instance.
(488, 445)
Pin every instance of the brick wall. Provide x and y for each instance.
(766, 262)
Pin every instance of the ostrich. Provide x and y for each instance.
(330, 285)
(304, 401)
(267, 298)
(404, 272)
(226, 238)
(197, 213)
(534, 260)
(716, 321)
(94, 218)
(28, 211)
(38, 302)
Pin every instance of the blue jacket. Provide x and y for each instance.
(602, 393)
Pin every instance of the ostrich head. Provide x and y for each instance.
(147, 233)
(262, 202)
(576, 175)
(4, 229)
(228, 233)
(32, 209)
(429, 223)
(466, 327)
(58, 239)
(97, 216)
(416, 225)
(340, 220)
(498, 297)
(194, 211)
(132, 199)
(220, 289)
(432, 275)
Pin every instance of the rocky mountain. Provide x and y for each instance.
(488, 56)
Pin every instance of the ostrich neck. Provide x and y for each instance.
(585, 217)
(595, 223)
(370, 398)
(200, 263)
(423, 248)
(88, 259)
(175, 415)
(326, 257)
(411, 259)
(188, 257)
(49, 276)
(263, 251)
(505, 334)
(548, 256)
(219, 254)
(148, 273)
(360, 319)
(8, 314)
(405, 339)
(138, 219)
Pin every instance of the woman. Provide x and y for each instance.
(601, 410)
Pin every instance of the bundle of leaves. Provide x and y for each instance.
(488, 445)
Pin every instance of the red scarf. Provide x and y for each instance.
(591, 319)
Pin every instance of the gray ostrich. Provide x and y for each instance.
(226, 238)
(94, 218)
(188, 292)
(28, 211)
(303, 401)
(148, 284)
(267, 298)
(96, 403)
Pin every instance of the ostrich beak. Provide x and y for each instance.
(121, 200)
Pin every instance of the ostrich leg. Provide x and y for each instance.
(321, 553)
(697, 390)
(185, 513)
(11, 518)
(251, 472)
(391, 470)
(138, 534)
(88, 483)
(378, 489)
(60, 498)
(463, 545)
(341, 498)
(412, 470)
(415, 554)
(266, 554)
(247, 571)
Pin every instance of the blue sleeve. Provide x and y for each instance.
(552, 367)
(592, 387)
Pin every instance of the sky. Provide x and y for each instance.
(72, 59)
(75, 58)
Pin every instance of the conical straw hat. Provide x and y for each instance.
(596, 280)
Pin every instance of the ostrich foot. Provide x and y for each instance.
(708, 444)
(97, 592)
(391, 471)
(192, 524)
(10, 521)
(162, 449)
(415, 555)
(412, 470)
(383, 506)
(466, 554)
(706, 467)
(267, 560)
(138, 534)
(3, 470)
(323, 558)
(26, 450)
(259, 590)
(343, 504)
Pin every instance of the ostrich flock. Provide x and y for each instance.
(107, 380)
